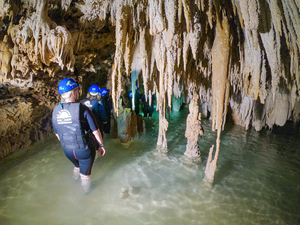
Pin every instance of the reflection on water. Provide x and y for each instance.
(257, 181)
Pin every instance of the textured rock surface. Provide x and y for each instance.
(193, 129)
(25, 116)
(42, 42)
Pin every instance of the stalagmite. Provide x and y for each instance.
(162, 145)
(124, 124)
(193, 129)
(211, 164)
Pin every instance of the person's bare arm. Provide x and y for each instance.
(99, 139)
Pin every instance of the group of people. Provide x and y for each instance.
(146, 107)
(99, 102)
(79, 126)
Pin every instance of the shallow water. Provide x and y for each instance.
(257, 181)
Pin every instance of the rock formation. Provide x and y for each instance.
(193, 129)
(242, 56)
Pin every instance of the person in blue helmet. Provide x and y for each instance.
(76, 129)
(92, 102)
(147, 108)
(106, 101)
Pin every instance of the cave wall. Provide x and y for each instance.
(240, 56)
(42, 42)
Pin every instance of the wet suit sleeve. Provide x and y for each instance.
(89, 118)
(53, 123)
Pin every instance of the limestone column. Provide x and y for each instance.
(193, 129)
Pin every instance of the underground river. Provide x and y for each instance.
(257, 180)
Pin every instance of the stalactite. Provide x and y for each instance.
(263, 85)
(58, 44)
(292, 18)
(170, 16)
(180, 7)
(38, 23)
(159, 51)
(121, 22)
(127, 55)
(171, 59)
(187, 14)
(276, 15)
(209, 13)
(271, 48)
(194, 36)
(185, 49)
(93, 11)
(144, 60)
(250, 13)
(280, 107)
(65, 4)
(4, 8)
(179, 52)
(244, 111)
(136, 67)
(252, 67)
(220, 54)
(157, 23)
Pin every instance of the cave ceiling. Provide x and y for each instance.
(241, 56)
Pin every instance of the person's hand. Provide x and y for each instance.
(101, 150)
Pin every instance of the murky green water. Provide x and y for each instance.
(257, 181)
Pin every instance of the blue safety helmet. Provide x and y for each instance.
(103, 91)
(66, 85)
(137, 87)
(94, 88)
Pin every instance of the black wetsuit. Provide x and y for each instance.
(107, 105)
(148, 109)
(98, 111)
(74, 123)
